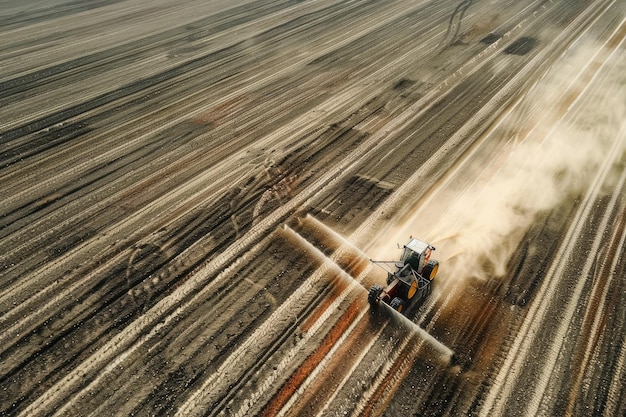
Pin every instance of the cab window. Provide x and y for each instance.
(411, 258)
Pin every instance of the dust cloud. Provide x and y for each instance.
(550, 147)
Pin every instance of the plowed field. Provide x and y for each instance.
(192, 192)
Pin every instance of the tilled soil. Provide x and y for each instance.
(192, 193)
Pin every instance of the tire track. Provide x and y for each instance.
(594, 323)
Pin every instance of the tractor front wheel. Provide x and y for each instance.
(374, 293)
(430, 270)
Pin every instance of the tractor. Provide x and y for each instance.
(411, 279)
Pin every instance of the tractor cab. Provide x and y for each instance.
(416, 254)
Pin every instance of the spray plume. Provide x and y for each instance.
(553, 142)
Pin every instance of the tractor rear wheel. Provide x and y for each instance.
(397, 304)
(430, 270)
(375, 291)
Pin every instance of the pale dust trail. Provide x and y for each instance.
(596, 143)
(486, 222)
